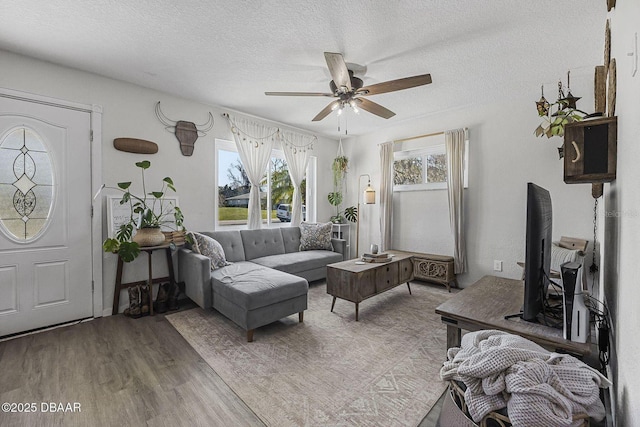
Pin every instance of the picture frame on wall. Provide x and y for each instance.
(118, 214)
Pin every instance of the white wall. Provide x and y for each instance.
(128, 111)
(504, 155)
(622, 222)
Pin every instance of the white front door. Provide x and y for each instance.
(45, 215)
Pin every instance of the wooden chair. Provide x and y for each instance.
(570, 243)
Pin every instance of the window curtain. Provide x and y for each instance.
(254, 142)
(455, 142)
(297, 148)
(386, 194)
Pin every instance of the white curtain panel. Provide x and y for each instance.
(455, 143)
(254, 142)
(386, 194)
(297, 148)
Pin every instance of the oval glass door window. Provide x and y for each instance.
(26, 185)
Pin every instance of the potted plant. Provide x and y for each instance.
(339, 168)
(350, 213)
(148, 213)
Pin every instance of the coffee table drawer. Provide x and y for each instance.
(405, 270)
(353, 287)
(386, 276)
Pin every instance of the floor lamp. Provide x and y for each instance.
(369, 199)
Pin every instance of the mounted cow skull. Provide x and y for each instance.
(186, 132)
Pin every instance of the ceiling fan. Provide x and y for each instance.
(350, 90)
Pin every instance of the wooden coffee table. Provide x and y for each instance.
(357, 282)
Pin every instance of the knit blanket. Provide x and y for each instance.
(538, 387)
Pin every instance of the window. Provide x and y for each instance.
(233, 187)
(422, 169)
(26, 185)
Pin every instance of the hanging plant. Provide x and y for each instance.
(566, 112)
(339, 167)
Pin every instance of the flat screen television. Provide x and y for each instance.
(537, 251)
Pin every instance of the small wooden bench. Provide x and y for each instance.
(434, 268)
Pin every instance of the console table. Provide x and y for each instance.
(484, 304)
(149, 250)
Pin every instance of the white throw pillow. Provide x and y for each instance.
(315, 236)
(210, 248)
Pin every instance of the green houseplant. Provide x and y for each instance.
(339, 167)
(350, 213)
(147, 212)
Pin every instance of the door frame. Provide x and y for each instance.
(95, 113)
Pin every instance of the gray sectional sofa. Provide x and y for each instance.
(267, 280)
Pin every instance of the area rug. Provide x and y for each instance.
(331, 370)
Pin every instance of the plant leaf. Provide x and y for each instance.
(539, 131)
(156, 194)
(144, 164)
(124, 232)
(124, 185)
(111, 245)
(128, 251)
(335, 198)
(351, 213)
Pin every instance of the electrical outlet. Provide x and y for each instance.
(497, 265)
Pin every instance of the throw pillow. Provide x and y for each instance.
(210, 248)
(315, 236)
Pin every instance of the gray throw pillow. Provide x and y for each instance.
(315, 236)
(210, 248)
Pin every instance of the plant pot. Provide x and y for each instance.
(149, 237)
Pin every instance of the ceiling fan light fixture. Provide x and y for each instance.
(345, 87)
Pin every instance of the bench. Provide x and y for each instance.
(435, 268)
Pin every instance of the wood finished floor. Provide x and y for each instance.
(122, 372)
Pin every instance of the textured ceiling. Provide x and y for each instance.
(229, 52)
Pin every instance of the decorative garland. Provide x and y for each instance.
(254, 140)
(304, 147)
(276, 135)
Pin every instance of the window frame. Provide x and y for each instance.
(423, 153)
(226, 145)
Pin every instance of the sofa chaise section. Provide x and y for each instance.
(252, 295)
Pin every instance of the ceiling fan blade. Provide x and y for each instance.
(325, 111)
(338, 70)
(374, 108)
(299, 94)
(393, 85)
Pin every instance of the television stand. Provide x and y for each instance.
(485, 304)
